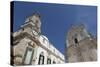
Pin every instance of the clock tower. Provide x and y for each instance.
(32, 24)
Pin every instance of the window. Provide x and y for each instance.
(28, 55)
(54, 62)
(75, 40)
(41, 59)
(48, 61)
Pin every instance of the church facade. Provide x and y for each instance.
(30, 47)
(80, 45)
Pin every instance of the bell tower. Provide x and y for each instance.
(76, 34)
(78, 43)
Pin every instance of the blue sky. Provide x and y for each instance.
(56, 19)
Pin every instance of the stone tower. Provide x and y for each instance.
(80, 46)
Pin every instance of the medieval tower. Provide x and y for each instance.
(80, 45)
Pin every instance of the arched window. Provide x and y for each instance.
(75, 40)
(28, 55)
(41, 59)
(48, 61)
(54, 62)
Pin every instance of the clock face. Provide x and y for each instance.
(34, 32)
